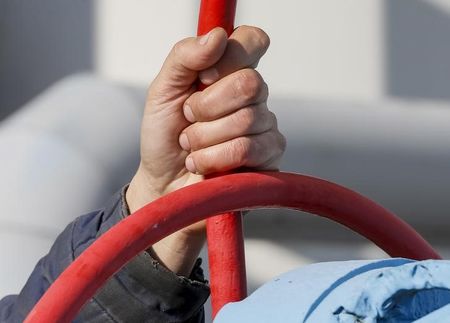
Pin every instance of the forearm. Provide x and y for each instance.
(142, 290)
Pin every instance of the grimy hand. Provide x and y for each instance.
(188, 133)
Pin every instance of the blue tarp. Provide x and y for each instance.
(383, 291)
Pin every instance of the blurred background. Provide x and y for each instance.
(361, 90)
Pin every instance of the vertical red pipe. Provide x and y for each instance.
(225, 236)
(216, 13)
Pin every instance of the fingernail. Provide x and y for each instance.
(190, 165)
(184, 142)
(209, 76)
(202, 40)
(188, 113)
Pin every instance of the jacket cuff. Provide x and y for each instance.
(144, 290)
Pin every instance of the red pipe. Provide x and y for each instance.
(216, 13)
(80, 281)
(226, 254)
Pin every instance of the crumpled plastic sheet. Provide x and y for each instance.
(378, 291)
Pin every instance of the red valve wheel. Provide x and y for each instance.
(80, 281)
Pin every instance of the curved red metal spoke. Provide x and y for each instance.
(79, 282)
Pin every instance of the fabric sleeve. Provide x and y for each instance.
(142, 291)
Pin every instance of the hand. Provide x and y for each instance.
(187, 134)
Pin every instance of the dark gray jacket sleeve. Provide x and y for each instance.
(143, 291)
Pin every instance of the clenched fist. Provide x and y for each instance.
(187, 133)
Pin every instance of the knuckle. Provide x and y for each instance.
(257, 34)
(245, 118)
(260, 147)
(273, 121)
(240, 151)
(281, 142)
(245, 28)
(178, 48)
(261, 38)
(264, 146)
(265, 90)
(266, 120)
(249, 84)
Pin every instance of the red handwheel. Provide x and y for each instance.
(80, 281)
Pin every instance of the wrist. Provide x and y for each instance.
(139, 193)
(178, 251)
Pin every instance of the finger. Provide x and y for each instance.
(186, 58)
(240, 89)
(259, 151)
(244, 49)
(250, 120)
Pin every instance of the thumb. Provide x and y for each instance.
(185, 60)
